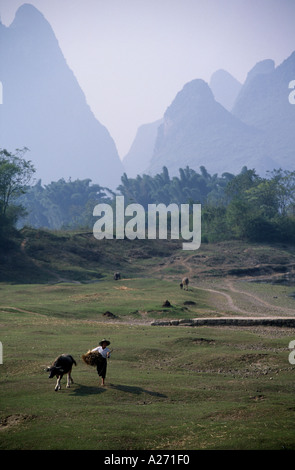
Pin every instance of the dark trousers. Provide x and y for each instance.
(102, 368)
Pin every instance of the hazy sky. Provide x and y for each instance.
(131, 57)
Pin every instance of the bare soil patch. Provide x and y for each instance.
(8, 422)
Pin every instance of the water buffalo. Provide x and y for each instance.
(62, 365)
(184, 282)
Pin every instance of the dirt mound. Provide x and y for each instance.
(7, 422)
(109, 314)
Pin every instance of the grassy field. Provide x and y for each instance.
(129, 298)
(167, 387)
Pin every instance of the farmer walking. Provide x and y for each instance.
(105, 352)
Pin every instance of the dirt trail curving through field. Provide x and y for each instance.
(257, 305)
(258, 300)
(237, 301)
(230, 301)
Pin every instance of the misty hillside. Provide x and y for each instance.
(45, 109)
(263, 103)
(142, 149)
(227, 125)
(223, 126)
(199, 131)
(225, 88)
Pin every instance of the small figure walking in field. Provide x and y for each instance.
(184, 283)
(105, 353)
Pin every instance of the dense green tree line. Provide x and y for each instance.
(188, 186)
(63, 204)
(244, 206)
(254, 208)
(15, 175)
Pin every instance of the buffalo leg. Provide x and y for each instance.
(58, 386)
(69, 380)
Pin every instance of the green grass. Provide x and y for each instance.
(41, 256)
(167, 387)
(136, 297)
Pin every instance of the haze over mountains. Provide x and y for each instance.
(45, 109)
(228, 125)
(223, 125)
(263, 103)
(142, 148)
(199, 131)
(225, 88)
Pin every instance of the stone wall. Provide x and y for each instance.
(286, 322)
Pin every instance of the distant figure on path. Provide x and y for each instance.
(184, 282)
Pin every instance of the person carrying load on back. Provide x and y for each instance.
(105, 353)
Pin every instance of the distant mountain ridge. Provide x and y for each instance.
(45, 109)
(256, 130)
(223, 126)
(141, 149)
(263, 103)
(225, 88)
(199, 131)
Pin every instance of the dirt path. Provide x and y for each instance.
(229, 299)
(227, 289)
(190, 272)
(256, 301)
